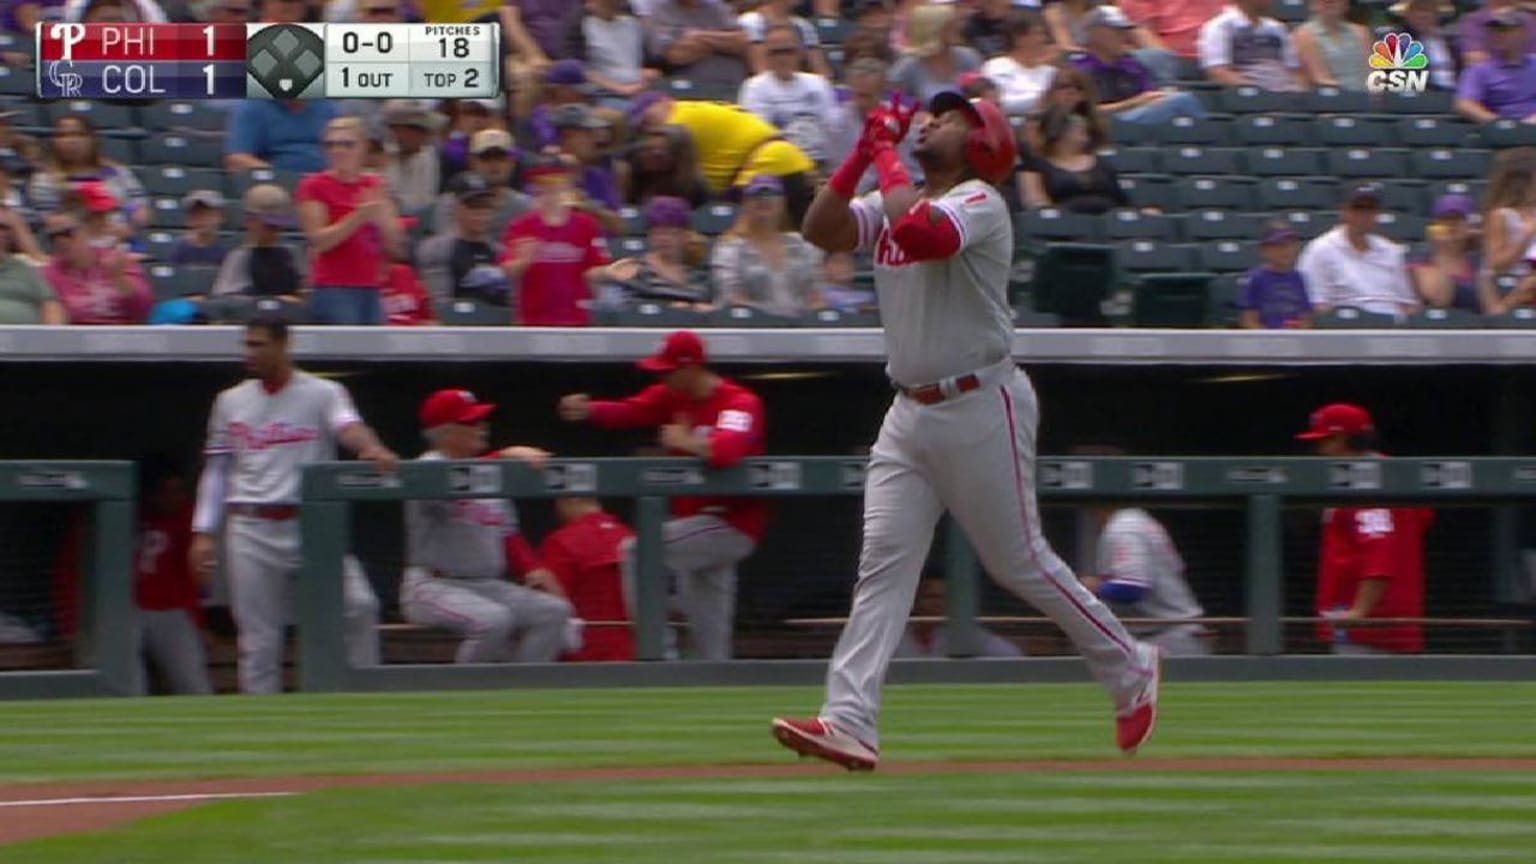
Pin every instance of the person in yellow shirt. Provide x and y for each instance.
(734, 145)
(458, 11)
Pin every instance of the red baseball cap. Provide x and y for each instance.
(98, 198)
(681, 348)
(1340, 418)
(453, 406)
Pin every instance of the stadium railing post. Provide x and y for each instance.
(113, 620)
(650, 579)
(325, 528)
(1262, 575)
(961, 592)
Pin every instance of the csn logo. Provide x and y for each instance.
(1398, 65)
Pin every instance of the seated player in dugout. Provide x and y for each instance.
(1372, 559)
(702, 414)
(590, 556)
(734, 145)
(932, 639)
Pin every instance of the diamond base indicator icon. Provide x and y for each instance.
(284, 61)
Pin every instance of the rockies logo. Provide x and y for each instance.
(285, 59)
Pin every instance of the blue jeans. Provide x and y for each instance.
(1165, 109)
(333, 305)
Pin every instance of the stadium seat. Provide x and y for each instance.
(1516, 319)
(1029, 318)
(1291, 11)
(1229, 256)
(1308, 224)
(1202, 160)
(188, 151)
(1199, 192)
(1471, 188)
(158, 245)
(1448, 319)
(1428, 102)
(1368, 162)
(1140, 256)
(1352, 318)
(173, 180)
(1222, 297)
(714, 218)
(749, 316)
(628, 247)
(1053, 223)
(1255, 100)
(1132, 224)
(1507, 133)
(1072, 281)
(172, 282)
(634, 222)
(703, 91)
(837, 318)
(1352, 132)
(246, 179)
(1299, 193)
(1126, 133)
(1434, 132)
(1334, 100)
(178, 116)
(1404, 196)
(1170, 300)
(104, 116)
(27, 114)
(831, 31)
(1190, 130)
(15, 82)
(1285, 161)
(1268, 129)
(1443, 163)
(1223, 225)
(1402, 228)
(472, 313)
(120, 150)
(1150, 191)
(1133, 160)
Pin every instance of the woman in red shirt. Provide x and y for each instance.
(352, 225)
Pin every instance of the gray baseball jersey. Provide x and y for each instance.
(1135, 549)
(949, 317)
(272, 436)
(461, 539)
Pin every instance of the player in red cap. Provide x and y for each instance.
(460, 552)
(702, 414)
(1372, 562)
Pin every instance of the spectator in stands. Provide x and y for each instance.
(1509, 227)
(1504, 85)
(460, 262)
(22, 16)
(557, 254)
(759, 264)
(1274, 294)
(873, 44)
(98, 211)
(1069, 20)
(986, 28)
(670, 269)
(611, 43)
(699, 40)
(780, 13)
(200, 246)
(75, 158)
(798, 103)
(96, 285)
(1243, 45)
(25, 296)
(533, 30)
(469, 117)
(114, 12)
(412, 164)
(19, 152)
(589, 556)
(937, 57)
(1067, 173)
(1126, 88)
(600, 177)
(1474, 33)
(11, 197)
(351, 225)
(666, 162)
(491, 159)
(1421, 20)
(282, 11)
(928, 638)
(1352, 265)
(285, 135)
(227, 11)
(864, 90)
(1330, 46)
(405, 299)
(1024, 73)
(839, 289)
(1175, 23)
(565, 83)
(262, 265)
(1446, 277)
(734, 146)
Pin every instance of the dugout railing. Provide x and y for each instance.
(1258, 486)
(104, 650)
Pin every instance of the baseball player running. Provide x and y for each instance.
(261, 434)
(1141, 575)
(458, 552)
(960, 433)
(704, 415)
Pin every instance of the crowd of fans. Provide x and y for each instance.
(383, 212)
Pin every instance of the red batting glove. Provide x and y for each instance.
(888, 124)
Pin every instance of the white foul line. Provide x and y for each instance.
(142, 799)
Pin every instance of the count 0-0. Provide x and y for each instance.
(351, 43)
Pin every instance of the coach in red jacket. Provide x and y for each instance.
(589, 555)
(702, 414)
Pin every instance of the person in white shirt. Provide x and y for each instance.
(412, 165)
(780, 13)
(1351, 265)
(1140, 574)
(1243, 45)
(1025, 72)
(930, 639)
(799, 103)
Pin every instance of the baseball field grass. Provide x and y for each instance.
(1241, 773)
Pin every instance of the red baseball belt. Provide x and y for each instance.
(274, 512)
(933, 394)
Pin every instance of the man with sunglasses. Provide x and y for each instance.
(798, 103)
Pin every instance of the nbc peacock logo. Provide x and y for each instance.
(1398, 65)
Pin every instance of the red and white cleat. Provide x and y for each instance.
(817, 737)
(1134, 725)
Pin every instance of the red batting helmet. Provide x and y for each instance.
(990, 150)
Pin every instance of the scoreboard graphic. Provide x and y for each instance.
(268, 61)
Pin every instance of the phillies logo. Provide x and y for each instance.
(888, 254)
(480, 513)
(271, 435)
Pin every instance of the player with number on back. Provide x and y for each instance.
(960, 433)
(701, 414)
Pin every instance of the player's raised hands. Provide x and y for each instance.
(575, 408)
(889, 123)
